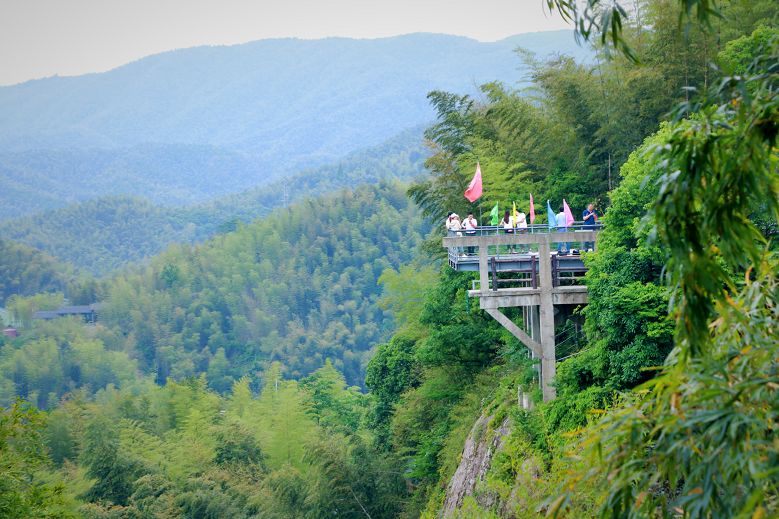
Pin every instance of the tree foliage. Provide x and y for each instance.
(100, 236)
(25, 271)
(299, 286)
(697, 440)
(185, 451)
(23, 490)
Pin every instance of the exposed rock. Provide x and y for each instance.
(529, 473)
(480, 447)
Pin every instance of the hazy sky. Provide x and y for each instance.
(41, 38)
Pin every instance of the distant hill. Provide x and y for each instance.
(171, 174)
(193, 124)
(299, 286)
(280, 97)
(101, 235)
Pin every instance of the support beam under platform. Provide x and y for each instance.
(515, 330)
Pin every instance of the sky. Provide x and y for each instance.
(40, 38)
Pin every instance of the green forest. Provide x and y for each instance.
(300, 286)
(323, 360)
(99, 236)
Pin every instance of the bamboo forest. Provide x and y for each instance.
(416, 276)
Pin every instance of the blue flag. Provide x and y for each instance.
(551, 216)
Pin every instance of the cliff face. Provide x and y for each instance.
(480, 448)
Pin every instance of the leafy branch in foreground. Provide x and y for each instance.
(720, 164)
(604, 19)
(700, 440)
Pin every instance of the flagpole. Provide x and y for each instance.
(481, 217)
(474, 191)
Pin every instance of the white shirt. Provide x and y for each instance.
(522, 221)
(561, 220)
(471, 224)
(509, 224)
(453, 224)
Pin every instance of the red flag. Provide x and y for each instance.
(473, 192)
(532, 210)
(568, 215)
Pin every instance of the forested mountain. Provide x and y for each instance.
(299, 286)
(281, 98)
(181, 175)
(174, 174)
(195, 124)
(99, 236)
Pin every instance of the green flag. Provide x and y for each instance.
(494, 214)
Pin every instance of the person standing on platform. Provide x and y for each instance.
(562, 226)
(590, 218)
(471, 225)
(453, 226)
(521, 223)
(451, 220)
(508, 227)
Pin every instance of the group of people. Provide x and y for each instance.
(590, 219)
(517, 223)
(469, 225)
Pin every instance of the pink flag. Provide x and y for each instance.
(532, 210)
(568, 215)
(473, 192)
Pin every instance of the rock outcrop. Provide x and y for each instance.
(479, 450)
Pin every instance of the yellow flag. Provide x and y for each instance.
(516, 215)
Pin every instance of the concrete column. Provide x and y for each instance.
(527, 320)
(535, 323)
(534, 327)
(546, 318)
(484, 268)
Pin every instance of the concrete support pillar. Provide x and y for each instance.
(535, 323)
(484, 267)
(534, 328)
(526, 320)
(546, 322)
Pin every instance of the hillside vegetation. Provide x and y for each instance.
(25, 271)
(172, 174)
(102, 235)
(299, 286)
(218, 381)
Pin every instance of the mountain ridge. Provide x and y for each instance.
(215, 95)
(102, 234)
(507, 39)
(190, 125)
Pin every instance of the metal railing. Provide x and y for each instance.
(459, 254)
(525, 273)
(497, 230)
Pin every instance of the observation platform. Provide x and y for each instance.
(537, 269)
